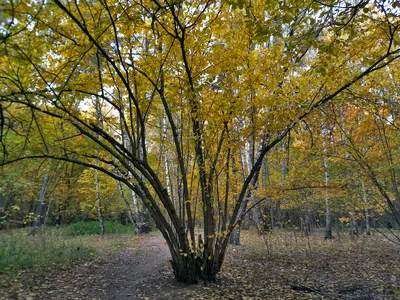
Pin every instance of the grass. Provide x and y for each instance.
(20, 251)
(92, 227)
(59, 245)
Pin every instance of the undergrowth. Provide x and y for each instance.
(92, 227)
(24, 251)
(56, 246)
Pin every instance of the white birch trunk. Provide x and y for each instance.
(128, 207)
(135, 206)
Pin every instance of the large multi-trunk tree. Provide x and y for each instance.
(178, 82)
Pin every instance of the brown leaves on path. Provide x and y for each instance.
(294, 268)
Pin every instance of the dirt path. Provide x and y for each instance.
(139, 272)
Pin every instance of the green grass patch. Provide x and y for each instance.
(93, 227)
(20, 251)
(58, 246)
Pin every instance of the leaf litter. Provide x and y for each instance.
(365, 268)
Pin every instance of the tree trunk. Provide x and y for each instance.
(142, 217)
(99, 119)
(258, 217)
(51, 197)
(38, 210)
(284, 171)
(135, 206)
(353, 225)
(98, 203)
(328, 225)
(128, 207)
(367, 224)
(234, 239)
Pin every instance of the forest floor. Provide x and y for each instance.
(284, 266)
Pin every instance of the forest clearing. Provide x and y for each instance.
(294, 267)
(199, 149)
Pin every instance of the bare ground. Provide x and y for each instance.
(294, 268)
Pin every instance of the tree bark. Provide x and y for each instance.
(367, 224)
(353, 225)
(328, 225)
(98, 203)
(128, 207)
(38, 210)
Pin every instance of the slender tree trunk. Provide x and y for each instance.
(284, 171)
(128, 207)
(98, 202)
(367, 224)
(258, 217)
(247, 159)
(328, 225)
(38, 210)
(135, 206)
(47, 213)
(234, 239)
(353, 225)
(235, 235)
(50, 201)
(99, 119)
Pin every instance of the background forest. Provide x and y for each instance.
(342, 172)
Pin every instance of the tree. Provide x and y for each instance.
(372, 144)
(187, 62)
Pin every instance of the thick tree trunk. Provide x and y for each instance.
(38, 210)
